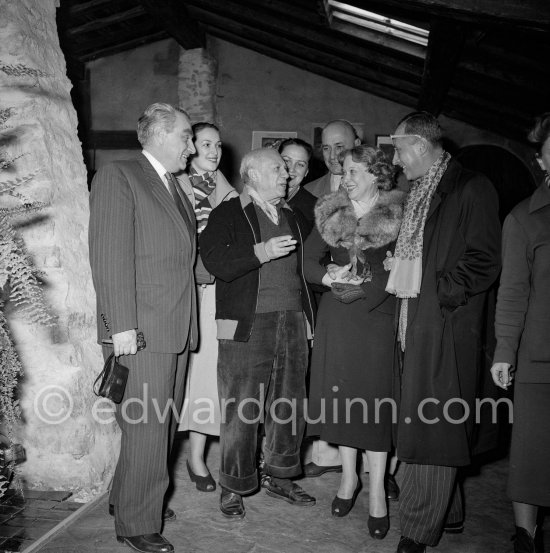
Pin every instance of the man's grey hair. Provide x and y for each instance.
(156, 117)
(250, 161)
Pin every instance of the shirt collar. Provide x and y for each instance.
(157, 165)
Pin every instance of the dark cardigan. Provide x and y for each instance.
(232, 250)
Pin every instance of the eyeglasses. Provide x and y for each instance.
(394, 136)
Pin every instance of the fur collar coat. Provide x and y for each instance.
(339, 227)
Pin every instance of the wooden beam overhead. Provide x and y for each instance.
(117, 47)
(333, 72)
(102, 22)
(445, 44)
(533, 14)
(174, 17)
(301, 51)
(312, 35)
(83, 7)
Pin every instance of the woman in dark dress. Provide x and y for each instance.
(522, 326)
(351, 365)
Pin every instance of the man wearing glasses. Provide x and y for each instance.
(446, 258)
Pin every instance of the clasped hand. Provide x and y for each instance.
(502, 374)
(342, 274)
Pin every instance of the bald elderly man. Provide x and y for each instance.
(337, 136)
(252, 244)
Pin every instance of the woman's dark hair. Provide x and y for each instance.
(540, 133)
(296, 142)
(198, 127)
(376, 162)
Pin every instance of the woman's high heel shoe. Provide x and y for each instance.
(378, 526)
(342, 507)
(203, 483)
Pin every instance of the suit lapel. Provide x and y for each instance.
(161, 193)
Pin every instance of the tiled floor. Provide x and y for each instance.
(27, 516)
(273, 526)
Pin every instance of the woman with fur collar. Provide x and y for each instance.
(351, 365)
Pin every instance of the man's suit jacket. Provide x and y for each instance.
(142, 254)
(320, 186)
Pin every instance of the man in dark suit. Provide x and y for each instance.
(338, 135)
(446, 258)
(142, 251)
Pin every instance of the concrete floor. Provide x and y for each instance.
(274, 526)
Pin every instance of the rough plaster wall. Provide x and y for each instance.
(197, 84)
(60, 366)
(255, 92)
(123, 85)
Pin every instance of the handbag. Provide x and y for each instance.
(113, 380)
(114, 375)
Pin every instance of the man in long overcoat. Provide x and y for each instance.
(447, 257)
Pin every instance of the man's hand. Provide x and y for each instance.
(502, 375)
(125, 343)
(279, 246)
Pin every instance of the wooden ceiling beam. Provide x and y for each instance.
(117, 47)
(445, 45)
(334, 72)
(83, 7)
(312, 35)
(533, 14)
(174, 17)
(102, 22)
(313, 54)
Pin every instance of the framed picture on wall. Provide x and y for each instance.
(269, 139)
(384, 142)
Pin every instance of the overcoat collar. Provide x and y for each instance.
(540, 198)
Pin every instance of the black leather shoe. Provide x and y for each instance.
(231, 505)
(147, 543)
(378, 526)
(406, 545)
(523, 541)
(293, 494)
(392, 489)
(454, 527)
(168, 516)
(311, 470)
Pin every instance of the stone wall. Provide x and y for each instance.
(66, 447)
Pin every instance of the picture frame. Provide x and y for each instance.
(266, 139)
(385, 143)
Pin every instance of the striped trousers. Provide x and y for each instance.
(146, 419)
(430, 497)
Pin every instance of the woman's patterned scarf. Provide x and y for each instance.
(406, 272)
(203, 186)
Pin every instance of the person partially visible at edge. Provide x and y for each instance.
(253, 246)
(352, 355)
(142, 253)
(207, 188)
(446, 259)
(522, 354)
